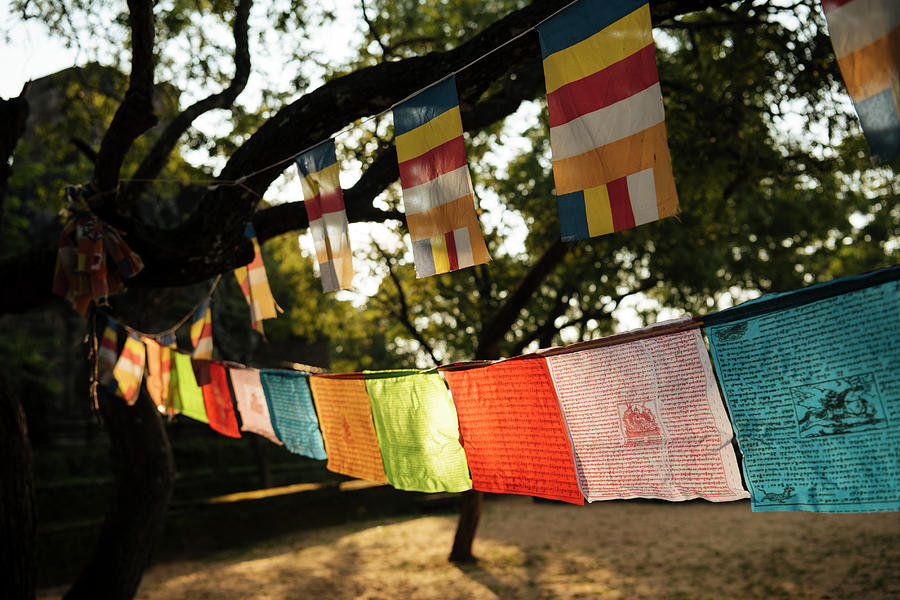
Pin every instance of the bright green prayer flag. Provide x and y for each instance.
(187, 398)
(418, 431)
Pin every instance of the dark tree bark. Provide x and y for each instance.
(13, 114)
(143, 478)
(17, 516)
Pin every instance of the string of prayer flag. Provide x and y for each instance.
(251, 403)
(293, 416)
(187, 397)
(201, 331)
(418, 431)
(866, 39)
(813, 391)
(129, 369)
(92, 259)
(646, 420)
(345, 416)
(512, 430)
(607, 122)
(324, 202)
(437, 190)
(255, 285)
(217, 402)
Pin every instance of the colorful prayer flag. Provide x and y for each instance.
(437, 190)
(866, 39)
(646, 419)
(255, 285)
(251, 402)
(418, 431)
(187, 398)
(159, 366)
(129, 369)
(607, 122)
(513, 431)
(293, 416)
(324, 202)
(201, 331)
(345, 416)
(813, 389)
(107, 355)
(217, 402)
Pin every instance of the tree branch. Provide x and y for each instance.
(133, 117)
(155, 160)
(14, 114)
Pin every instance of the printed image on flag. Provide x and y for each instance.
(255, 285)
(437, 190)
(866, 39)
(324, 202)
(129, 370)
(607, 123)
(201, 331)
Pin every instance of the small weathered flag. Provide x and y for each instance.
(324, 202)
(255, 285)
(201, 331)
(607, 123)
(159, 366)
(866, 39)
(107, 355)
(129, 370)
(437, 189)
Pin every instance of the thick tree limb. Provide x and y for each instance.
(133, 117)
(156, 158)
(13, 114)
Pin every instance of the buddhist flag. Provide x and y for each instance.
(291, 410)
(324, 202)
(187, 398)
(159, 366)
(129, 370)
(217, 400)
(437, 190)
(251, 402)
(255, 285)
(107, 355)
(866, 39)
(607, 124)
(201, 331)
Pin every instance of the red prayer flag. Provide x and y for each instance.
(217, 400)
(513, 431)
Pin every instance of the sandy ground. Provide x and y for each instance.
(536, 550)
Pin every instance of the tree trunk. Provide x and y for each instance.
(469, 514)
(262, 462)
(144, 476)
(17, 518)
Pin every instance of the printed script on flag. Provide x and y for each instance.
(607, 123)
(324, 202)
(866, 39)
(512, 430)
(418, 431)
(647, 421)
(345, 416)
(291, 410)
(813, 390)
(437, 190)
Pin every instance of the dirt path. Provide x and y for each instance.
(530, 550)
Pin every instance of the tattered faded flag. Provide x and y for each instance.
(324, 202)
(129, 370)
(866, 39)
(607, 123)
(437, 190)
(255, 285)
(201, 331)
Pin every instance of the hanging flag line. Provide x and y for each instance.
(216, 183)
